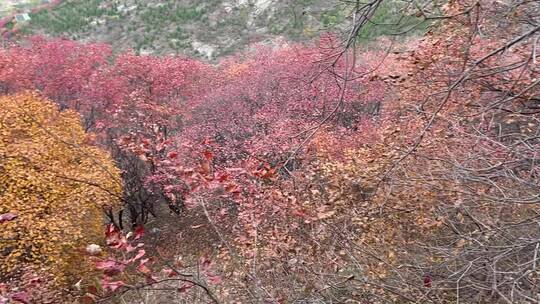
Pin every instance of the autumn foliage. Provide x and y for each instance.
(320, 171)
(55, 185)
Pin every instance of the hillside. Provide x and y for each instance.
(201, 28)
(383, 152)
(206, 29)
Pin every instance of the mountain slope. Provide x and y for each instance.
(205, 29)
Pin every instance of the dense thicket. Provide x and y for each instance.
(328, 172)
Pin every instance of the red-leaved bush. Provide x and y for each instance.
(322, 172)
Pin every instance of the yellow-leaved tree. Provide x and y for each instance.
(55, 184)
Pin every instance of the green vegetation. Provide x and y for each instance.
(70, 16)
(170, 13)
(332, 17)
(172, 26)
(10, 25)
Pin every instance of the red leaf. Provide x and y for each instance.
(110, 230)
(185, 287)
(6, 217)
(232, 188)
(223, 177)
(172, 155)
(112, 285)
(205, 264)
(214, 279)
(207, 141)
(268, 173)
(130, 248)
(427, 281)
(142, 268)
(208, 155)
(139, 255)
(169, 272)
(151, 279)
(92, 289)
(299, 213)
(21, 297)
(139, 232)
(115, 240)
(110, 267)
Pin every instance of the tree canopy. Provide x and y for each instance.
(55, 183)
